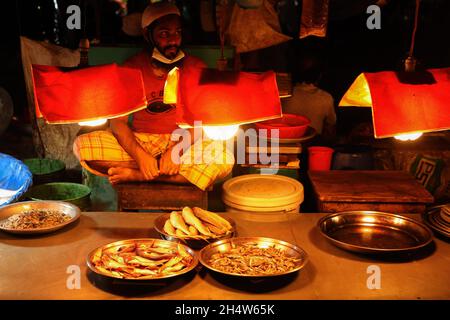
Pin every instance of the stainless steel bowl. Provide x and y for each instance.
(190, 242)
(158, 242)
(20, 207)
(226, 245)
(374, 232)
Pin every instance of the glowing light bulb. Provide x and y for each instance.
(221, 132)
(92, 123)
(409, 136)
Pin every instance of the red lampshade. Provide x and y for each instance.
(93, 93)
(220, 98)
(401, 108)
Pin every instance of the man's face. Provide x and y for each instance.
(167, 36)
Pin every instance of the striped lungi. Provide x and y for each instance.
(201, 164)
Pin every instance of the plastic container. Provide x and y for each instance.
(319, 158)
(45, 170)
(15, 179)
(290, 126)
(74, 193)
(268, 198)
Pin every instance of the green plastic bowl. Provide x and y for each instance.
(45, 170)
(75, 193)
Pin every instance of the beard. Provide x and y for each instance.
(170, 52)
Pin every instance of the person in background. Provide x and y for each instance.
(308, 99)
(139, 147)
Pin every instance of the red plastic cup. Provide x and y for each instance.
(319, 158)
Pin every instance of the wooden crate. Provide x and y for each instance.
(388, 191)
(159, 196)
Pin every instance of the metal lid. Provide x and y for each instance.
(262, 191)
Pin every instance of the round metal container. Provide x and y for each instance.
(191, 242)
(222, 246)
(158, 242)
(374, 232)
(21, 207)
(437, 219)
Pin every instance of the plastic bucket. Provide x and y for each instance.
(45, 170)
(75, 193)
(319, 158)
(268, 198)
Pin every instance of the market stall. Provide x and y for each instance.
(46, 267)
(225, 150)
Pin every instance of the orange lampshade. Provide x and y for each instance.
(221, 98)
(93, 93)
(402, 108)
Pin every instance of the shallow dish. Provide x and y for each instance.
(190, 242)
(433, 219)
(155, 242)
(223, 246)
(374, 232)
(20, 207)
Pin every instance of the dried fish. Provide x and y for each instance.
(250, 259)
(198, 224)
(139, 260)
(35, 219)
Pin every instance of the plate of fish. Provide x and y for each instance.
(194, 226)
(142, 259)
(35, 217)
(253, 257)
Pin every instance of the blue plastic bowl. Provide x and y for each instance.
(15, 178)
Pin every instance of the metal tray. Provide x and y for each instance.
(190, 242)
(20, 207)
(432, 218)
(374, 232)
(227, 244)
(159, 243)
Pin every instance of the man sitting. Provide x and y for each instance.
(139, 147)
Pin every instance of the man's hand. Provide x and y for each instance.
(148, 165)
(167, 165)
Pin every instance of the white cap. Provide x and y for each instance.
(157, 10)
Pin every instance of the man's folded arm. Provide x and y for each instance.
(125, 136)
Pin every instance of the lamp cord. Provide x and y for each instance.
(416, 20)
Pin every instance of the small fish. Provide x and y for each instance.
(177, 221)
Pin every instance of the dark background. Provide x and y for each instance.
(349, 48)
